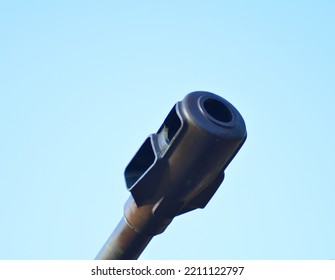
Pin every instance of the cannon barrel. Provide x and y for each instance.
(176, 170)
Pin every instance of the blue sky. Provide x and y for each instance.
(83, 83)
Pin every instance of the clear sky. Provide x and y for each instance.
(83, 83)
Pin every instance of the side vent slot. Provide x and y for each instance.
(141, 162)
(171, 125)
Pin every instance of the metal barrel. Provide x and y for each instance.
(123, 244)
(176, 170)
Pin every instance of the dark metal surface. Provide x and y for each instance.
(123, 244)
(176, 170)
